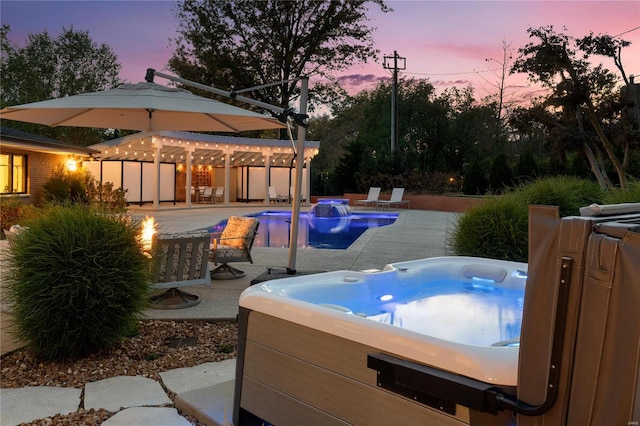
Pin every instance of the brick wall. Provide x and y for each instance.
(427, 202)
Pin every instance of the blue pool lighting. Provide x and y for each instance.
(335, 232)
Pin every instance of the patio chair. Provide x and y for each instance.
(396, 198)
(372, 198)
(207, 194)
(234, 245)
(195, 194)
(273, 196)
(219, 194)
(302, 199)
(179, 260)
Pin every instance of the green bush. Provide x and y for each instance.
(499, 228)
(496, 230)
(500, 174)
(15, 212)
(105, 197)
(475, 181)
(568, 193)
(64, 186)
(77, 281)
(630, 194)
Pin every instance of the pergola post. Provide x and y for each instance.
(157, 147)
(188, 175)
(267, 174)
(227, 177)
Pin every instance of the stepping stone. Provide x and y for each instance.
(120, 392)
(181, 380)
(136, 416)
(212, 405)
(24, 405)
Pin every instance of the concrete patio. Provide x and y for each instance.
(206, 391)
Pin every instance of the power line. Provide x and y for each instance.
(632, 29)
(452, 73)
(496, 69)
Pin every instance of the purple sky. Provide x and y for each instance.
(444, 41)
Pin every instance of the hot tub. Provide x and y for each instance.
(346, 347)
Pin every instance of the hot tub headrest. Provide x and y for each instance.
(485, 272)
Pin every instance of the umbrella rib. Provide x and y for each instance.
(61, 122)
(223, 123)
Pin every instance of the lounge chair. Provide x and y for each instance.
(396, 199)
(234, 245)
(274, 197)
(291, 191)
(372, 198)
(179, 260)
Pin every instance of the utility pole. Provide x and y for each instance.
(391, 63)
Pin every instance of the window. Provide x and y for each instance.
(13, 174)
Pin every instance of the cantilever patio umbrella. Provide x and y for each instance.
(142, 106)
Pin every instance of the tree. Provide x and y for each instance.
(500, 174)
(500, 96)
(560, 63)
(243, 44)
(47, 68)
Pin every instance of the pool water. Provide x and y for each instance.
(313, 232)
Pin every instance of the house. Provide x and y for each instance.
(27, 161)
(160, 166)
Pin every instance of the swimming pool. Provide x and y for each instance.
(314, 232)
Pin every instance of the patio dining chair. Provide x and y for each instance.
(207, 194)
(234, 245)
(179, 260)
(218, 194)
(372, 198)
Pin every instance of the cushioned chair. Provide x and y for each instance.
(234, 245)
(372, 198)
(179, 260)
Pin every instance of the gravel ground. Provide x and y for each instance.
(147, 354)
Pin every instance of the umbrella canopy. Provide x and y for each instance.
(141, 106)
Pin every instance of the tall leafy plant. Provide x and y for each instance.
(77, 281)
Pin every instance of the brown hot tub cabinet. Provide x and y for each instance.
(577, 363)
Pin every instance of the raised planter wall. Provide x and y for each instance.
(424, 202)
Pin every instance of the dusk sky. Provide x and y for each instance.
(446, 42)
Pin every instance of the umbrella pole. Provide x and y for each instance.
(297, 184)
(300, 120)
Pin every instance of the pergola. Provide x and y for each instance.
(196, 149)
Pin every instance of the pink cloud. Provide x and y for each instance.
(473, 51)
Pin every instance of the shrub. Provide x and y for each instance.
(496, 230)
(77, 282)
(500, 174)
(64, 187)
(104, 197)
(630, 194)
(475, 181)
(568, 193)
(14, 212)
(499, 228)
